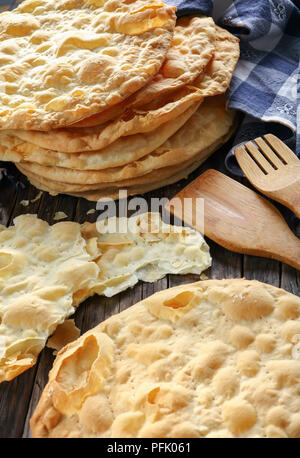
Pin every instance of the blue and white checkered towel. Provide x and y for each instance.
(266, 82)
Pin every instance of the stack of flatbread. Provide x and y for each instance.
(99, 98)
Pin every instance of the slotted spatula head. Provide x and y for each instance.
(272, 168)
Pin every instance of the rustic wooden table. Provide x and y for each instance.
(19, 397)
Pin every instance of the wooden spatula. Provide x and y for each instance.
(237, 218)
(273, 168)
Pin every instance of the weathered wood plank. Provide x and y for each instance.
(28, 194)
(290, 279)
(262, 269)
(8, 196)
(41, 371)
(83, 208)
(225, 263)
(14, 402)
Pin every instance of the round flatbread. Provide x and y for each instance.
(133, 121)
(62, 61)
(212, 81)
(192, 48)
(140, 185)
(154, 177)
(216, 358)
(217, 76)
(146, 185)
(181, 172)
(212, 122)
(124, 150)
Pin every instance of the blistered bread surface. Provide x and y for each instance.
(215, 358)
(41, 268)
(95, 139)
(143, 247)
(64, 60)
(191, 49)
(47, 271)
(121, 152)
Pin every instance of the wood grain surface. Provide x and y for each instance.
(19, 397)
(259, 228)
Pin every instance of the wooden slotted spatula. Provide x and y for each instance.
(272, 168)
(236, 218)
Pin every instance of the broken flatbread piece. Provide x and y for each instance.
(64, 333)
(41, 268)
(145, 248)
(47, 271)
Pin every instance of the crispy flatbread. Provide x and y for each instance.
(74, 140)
(122, 151)
(216, 78)
(159, 176)
(143, 184)
(212, 122)
(143, 247)
(46, 271)
(42, 270)
(215, 358)
(213, 80)
(192, 47)
(114, 193)
(55, 72)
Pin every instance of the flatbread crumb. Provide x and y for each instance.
(37, 197)
(59, 215)
(64, 333)
(25, 203)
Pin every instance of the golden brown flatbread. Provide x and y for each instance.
(136, 121)
(121, 152)
(215, 358)
(56, 72)
(211, 123)
(145, 183)
(217, 76)
(192, 47)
